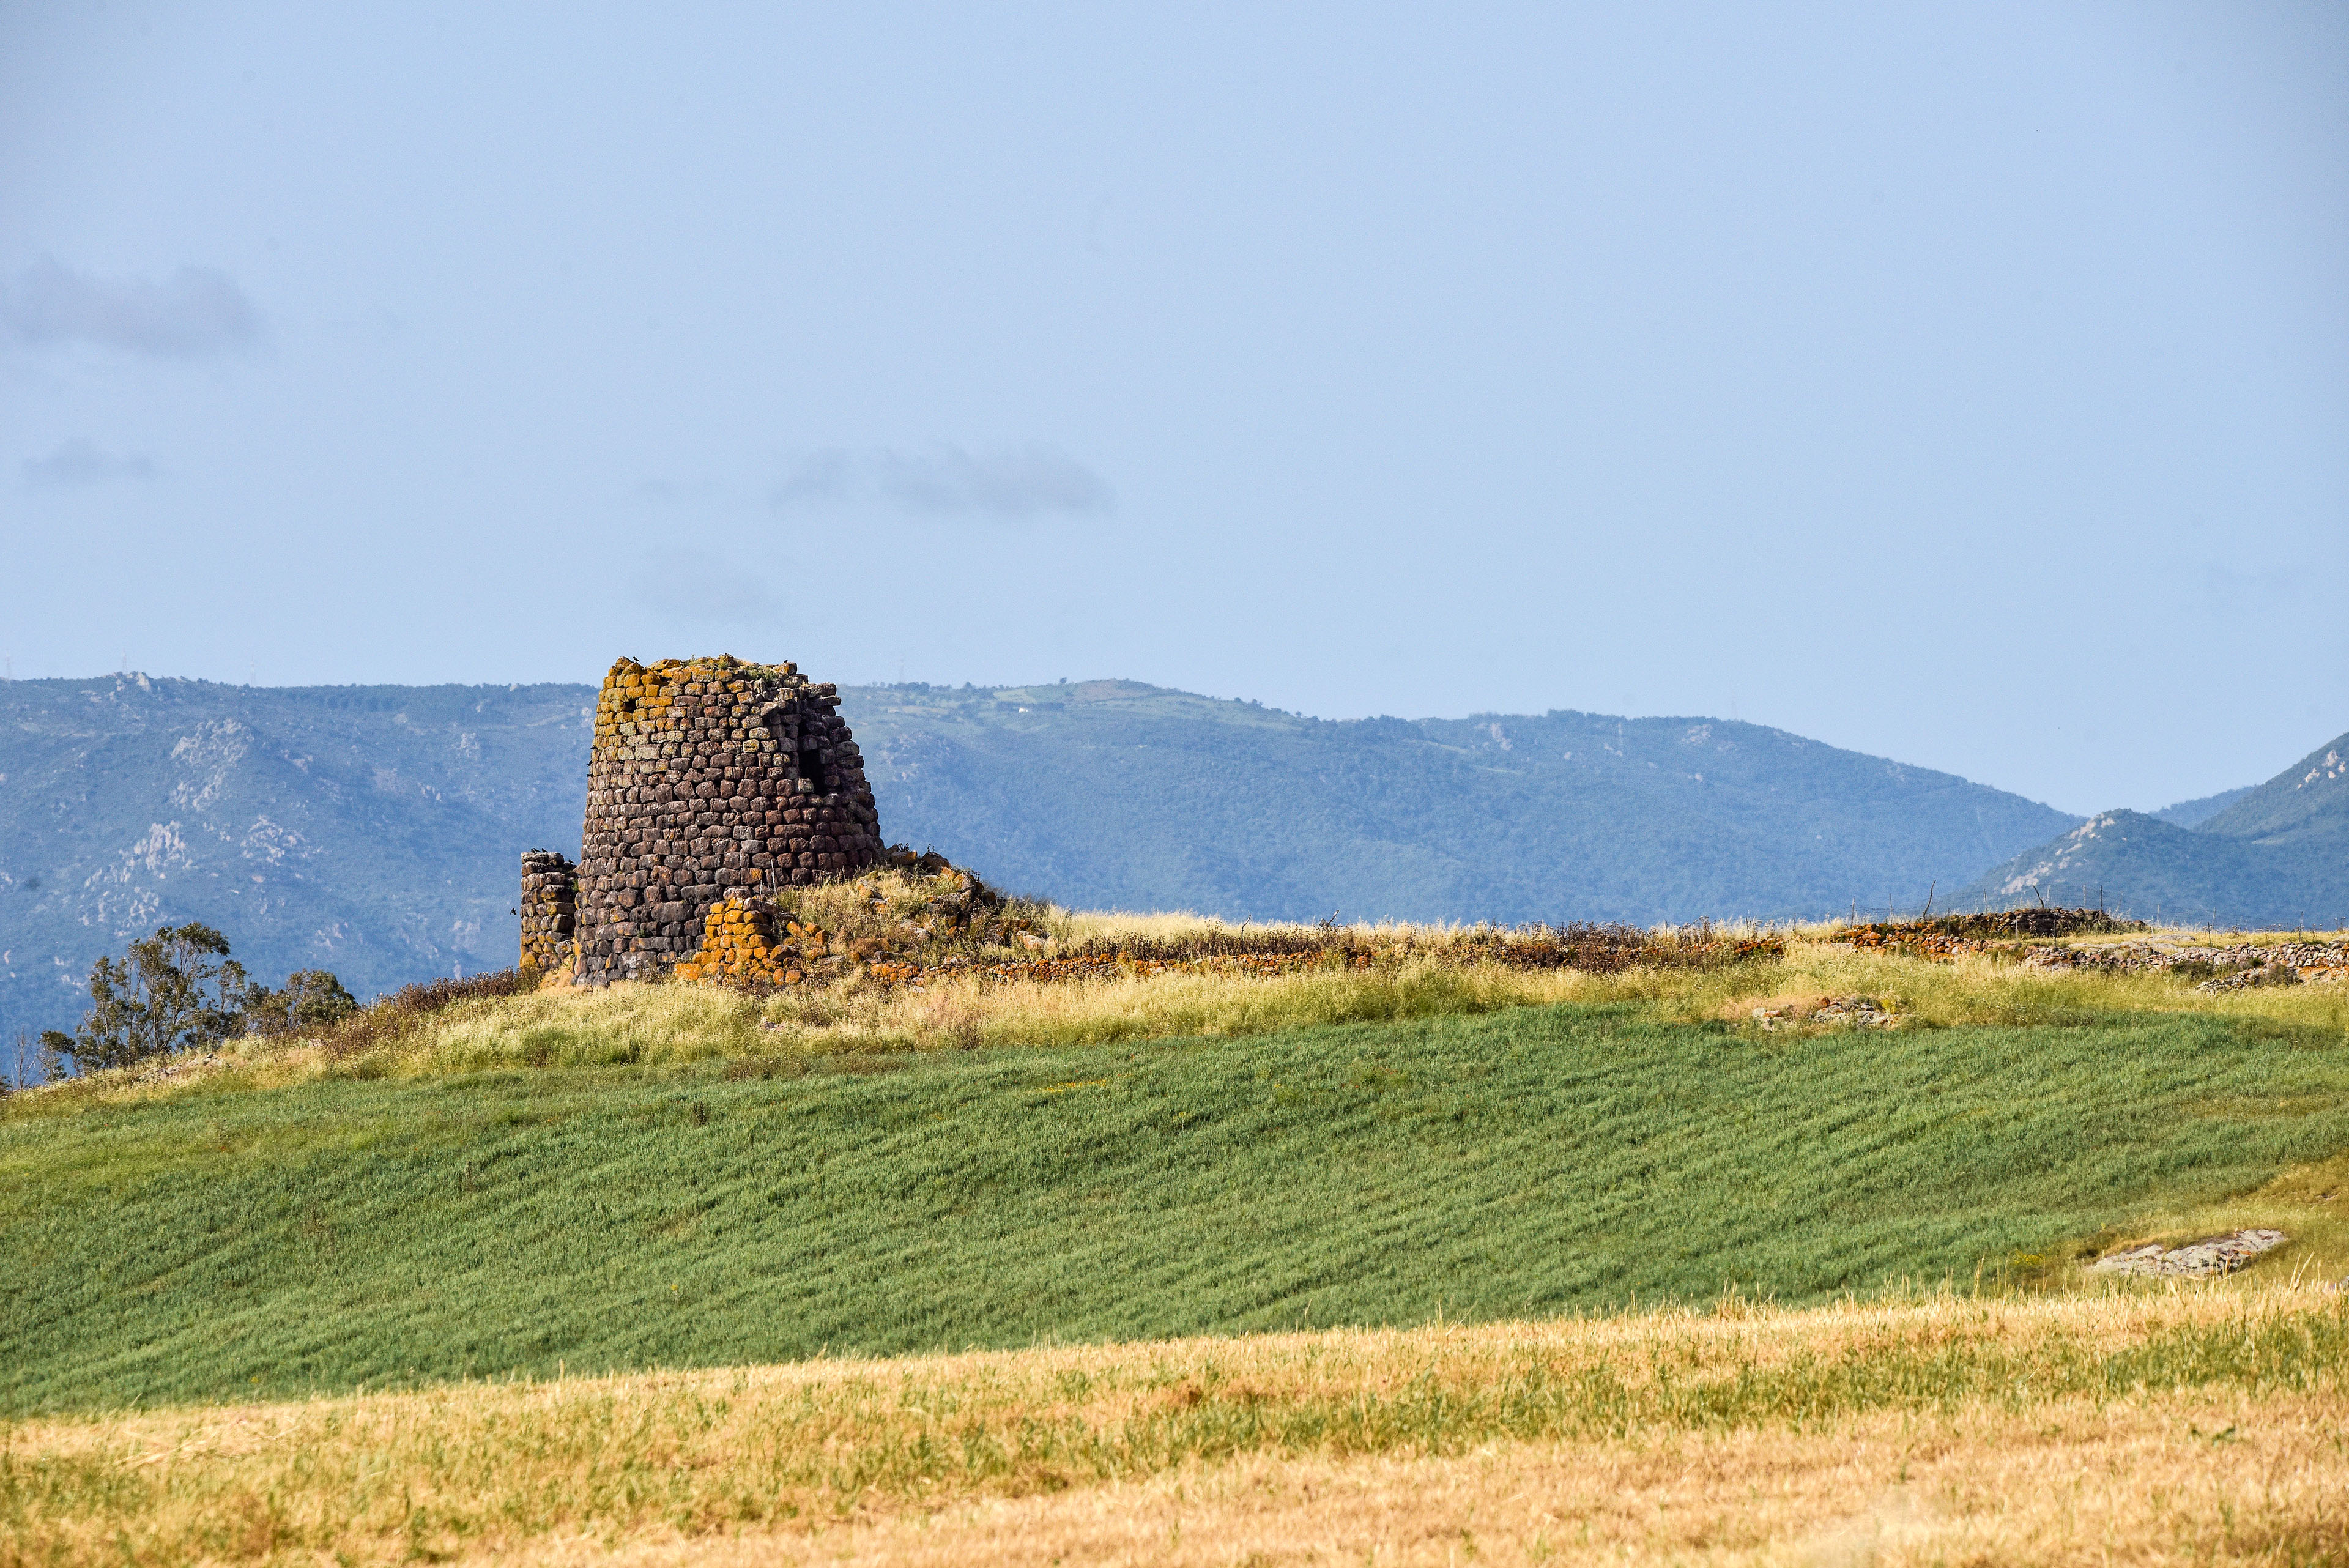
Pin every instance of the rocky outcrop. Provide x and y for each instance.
(2196, 1260)
(1830, 1012)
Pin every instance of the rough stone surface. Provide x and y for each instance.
(548, 911)
(2230, 967)
(2212, 1255)
(710, 781)
(1852, 1012)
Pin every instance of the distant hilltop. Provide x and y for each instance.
(1117, 795)
(2272, 855)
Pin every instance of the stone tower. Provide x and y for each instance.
(709, 779)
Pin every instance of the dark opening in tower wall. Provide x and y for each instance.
(711, 783)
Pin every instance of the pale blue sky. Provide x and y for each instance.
(1967, 384)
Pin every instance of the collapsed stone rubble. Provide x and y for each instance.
(759, 939)
(2216, 967)
(1948, 936)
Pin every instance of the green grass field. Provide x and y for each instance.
(230, 1242)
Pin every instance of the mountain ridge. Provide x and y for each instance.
(1505, 817)
(353, 828)
(2201, 809)
(2275, 854)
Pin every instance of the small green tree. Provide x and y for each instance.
(172, 991)
(311, 999)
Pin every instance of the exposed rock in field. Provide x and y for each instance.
(1852, 1012)
(2263, 974)
(2210, 1256)
(177, 1066)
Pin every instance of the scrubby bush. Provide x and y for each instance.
(312, 999)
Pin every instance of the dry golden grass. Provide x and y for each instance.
(2148, 1426)
(674, 1024)
(657, 1024)
(2068, 1483)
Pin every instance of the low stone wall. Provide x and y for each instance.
(2234, 967)
(548, 911)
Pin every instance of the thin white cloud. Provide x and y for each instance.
(197, 313)
(79, 461)
(829, 475)
(1010, 483)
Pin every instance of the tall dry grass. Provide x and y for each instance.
(668, 1025)
(2166, 1479)
(663, 1459)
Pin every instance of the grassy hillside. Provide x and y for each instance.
(2276, 855)
(559, 1241)
(225, 1239)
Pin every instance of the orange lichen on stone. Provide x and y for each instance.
(738, 948)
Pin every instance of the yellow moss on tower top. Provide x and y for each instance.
(724, 671)
(709, 778)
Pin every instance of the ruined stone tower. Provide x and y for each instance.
(709, 779)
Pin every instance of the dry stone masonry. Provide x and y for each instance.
(712, 782)
(2228, 967)
(548, 911)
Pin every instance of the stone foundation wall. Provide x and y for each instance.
(709, 777)
(548, 911)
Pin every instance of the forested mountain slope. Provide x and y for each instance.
(1112, 794)
(2278, 855)
(372, 830)
(2195, 813)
